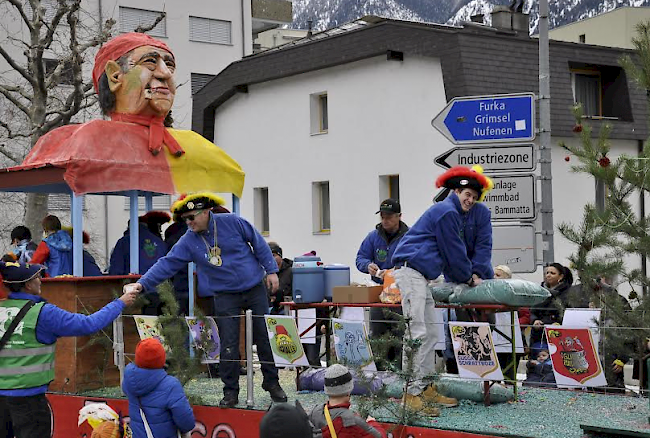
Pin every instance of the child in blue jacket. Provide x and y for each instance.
(159, 395)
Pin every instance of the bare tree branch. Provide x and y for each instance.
(11, 98)
(12, 134)
(19, 7)
(143, 28)
(17, 89)
(12, 62)
(4, 151)
(66, 114)
(61, 10)
(99, 39)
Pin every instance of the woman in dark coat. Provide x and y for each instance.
(558, 280)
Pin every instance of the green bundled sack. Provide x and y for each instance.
(442, 291)
(510, 292)
(455, 387)
(462, 389)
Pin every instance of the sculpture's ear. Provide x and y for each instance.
(114, 75)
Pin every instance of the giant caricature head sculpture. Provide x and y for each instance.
(134, 74)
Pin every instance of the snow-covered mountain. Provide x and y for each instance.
(326, 14)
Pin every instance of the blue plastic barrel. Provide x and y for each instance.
(308, 280)
(335, 275)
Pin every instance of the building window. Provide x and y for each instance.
(62, 202)
(582, 38)
(162, 202)
(319, 113)
(199, 80)
(586, 90)
(321, 206)
(389, 187)
(132, 18)
(208, 30)
(602, 90)
(66, 76)
(261, 209)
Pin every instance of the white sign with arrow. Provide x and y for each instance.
(491, 158)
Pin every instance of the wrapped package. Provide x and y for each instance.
(510, 292)
(390, 294)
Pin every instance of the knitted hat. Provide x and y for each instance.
(196, 201)
(286, 421)
(338, 380)
(149, 353)
(460, 177)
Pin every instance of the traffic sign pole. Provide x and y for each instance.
(548, 250)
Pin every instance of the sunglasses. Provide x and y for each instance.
(191, 217)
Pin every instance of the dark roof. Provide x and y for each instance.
(475, 60)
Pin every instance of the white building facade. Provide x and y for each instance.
(317, 171)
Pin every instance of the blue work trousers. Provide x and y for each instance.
(227, 309)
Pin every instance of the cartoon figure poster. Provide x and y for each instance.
(205, 338)
(575, 359)
(352, 346)
(474, 350)
(148, 327)
(285, 342)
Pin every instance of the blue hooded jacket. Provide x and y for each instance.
(446, 240)
(151, 249)
(246, 257)
(163, 402)
(60, 260)
(376, 249)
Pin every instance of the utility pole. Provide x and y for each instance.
(548, 250)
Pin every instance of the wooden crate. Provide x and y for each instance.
(78, 369)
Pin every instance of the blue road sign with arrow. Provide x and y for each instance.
(487, 119)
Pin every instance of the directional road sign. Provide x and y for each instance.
(512, 198)
(514, 246)
(486, 119)
(491, 158)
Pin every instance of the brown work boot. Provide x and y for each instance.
(416, 403)
(431, 395)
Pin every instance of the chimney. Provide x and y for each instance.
(478, 18)
(310, 23)
(505, 18)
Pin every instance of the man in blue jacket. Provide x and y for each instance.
(27, 359)
(375, 253)
(454, 238)
(232, 261)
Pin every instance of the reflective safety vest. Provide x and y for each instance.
(24, 362)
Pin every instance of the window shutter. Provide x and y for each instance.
(162, 202)
(131, 18)
(208, 30)
(199, 80)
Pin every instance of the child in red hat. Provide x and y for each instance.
(156, 394)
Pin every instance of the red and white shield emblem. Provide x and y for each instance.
(573, 353)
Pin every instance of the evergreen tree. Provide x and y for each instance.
(612, 230)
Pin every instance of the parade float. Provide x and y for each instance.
(135, 154)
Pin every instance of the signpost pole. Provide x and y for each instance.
(548, 250)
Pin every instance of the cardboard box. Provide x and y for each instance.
(356, 294)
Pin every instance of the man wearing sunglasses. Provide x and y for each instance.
(232, 261)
